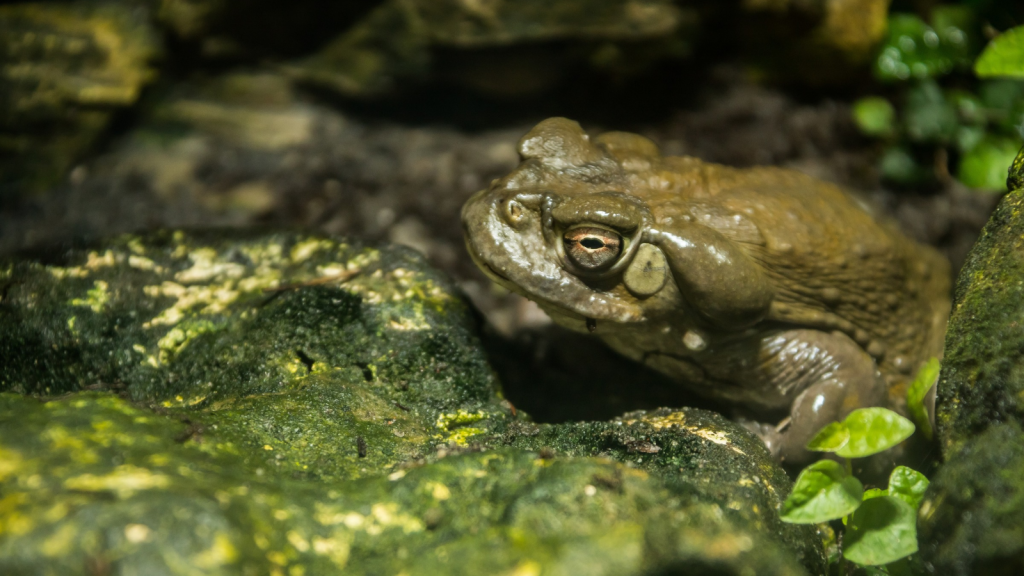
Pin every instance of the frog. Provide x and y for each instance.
(784, 297)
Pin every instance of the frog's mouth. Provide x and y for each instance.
(520, 259)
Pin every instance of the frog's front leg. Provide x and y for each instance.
(830, 376)
(714, 275)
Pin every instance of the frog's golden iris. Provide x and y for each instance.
(592, 248)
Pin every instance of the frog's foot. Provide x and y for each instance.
(828, 376)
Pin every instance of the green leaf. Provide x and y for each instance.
(908, 485)
(986, 165)
(1004, 56)
(875, 116)
(823, 491)
(926, 377)
(873, 430)
(874, 493)
(882, 530)
(830, 438)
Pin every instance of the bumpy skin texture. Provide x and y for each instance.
(762, 286)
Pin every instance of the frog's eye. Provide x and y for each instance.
(592, 248)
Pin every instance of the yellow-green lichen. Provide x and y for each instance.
(457, 420)
(124, 480)
(94, 262)
(678, 420)
(221, 551)
(304, 249)
(96, 298)
(143, 263)
(177, 338)
(11, 463)
(213, 299)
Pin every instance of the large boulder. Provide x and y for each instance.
(289, 404)
(972, 519)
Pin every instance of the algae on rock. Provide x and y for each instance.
(284, 403)
(301, 339)
(972, 518)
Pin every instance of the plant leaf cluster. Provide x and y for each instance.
(939, 120)
(881, 524)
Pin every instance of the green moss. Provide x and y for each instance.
(699, 453)
(139, 492)
(971, 518)
(982, 379)
(293, 404)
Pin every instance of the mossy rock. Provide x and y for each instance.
(291, 404)
(77, 63)
(972, 519)
(302, 342)
(982, 379)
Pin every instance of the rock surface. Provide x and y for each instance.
(397, 42)
(972, 520)
(289, 404)
(76, 64)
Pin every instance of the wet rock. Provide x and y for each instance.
(92, 481)
(971, 517)
(76, 64)
(700, 453)
(280, 403)
(396, 39)
(972, 520)
(981, 381)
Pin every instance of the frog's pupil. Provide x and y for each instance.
(592, 243)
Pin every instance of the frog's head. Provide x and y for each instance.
(563, 228)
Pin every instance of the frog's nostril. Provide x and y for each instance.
(514, 211)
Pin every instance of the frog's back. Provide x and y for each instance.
(834, 265)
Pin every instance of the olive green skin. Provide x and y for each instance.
(783, 294)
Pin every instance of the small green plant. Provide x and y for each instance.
(940, 120)
(881, 524)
